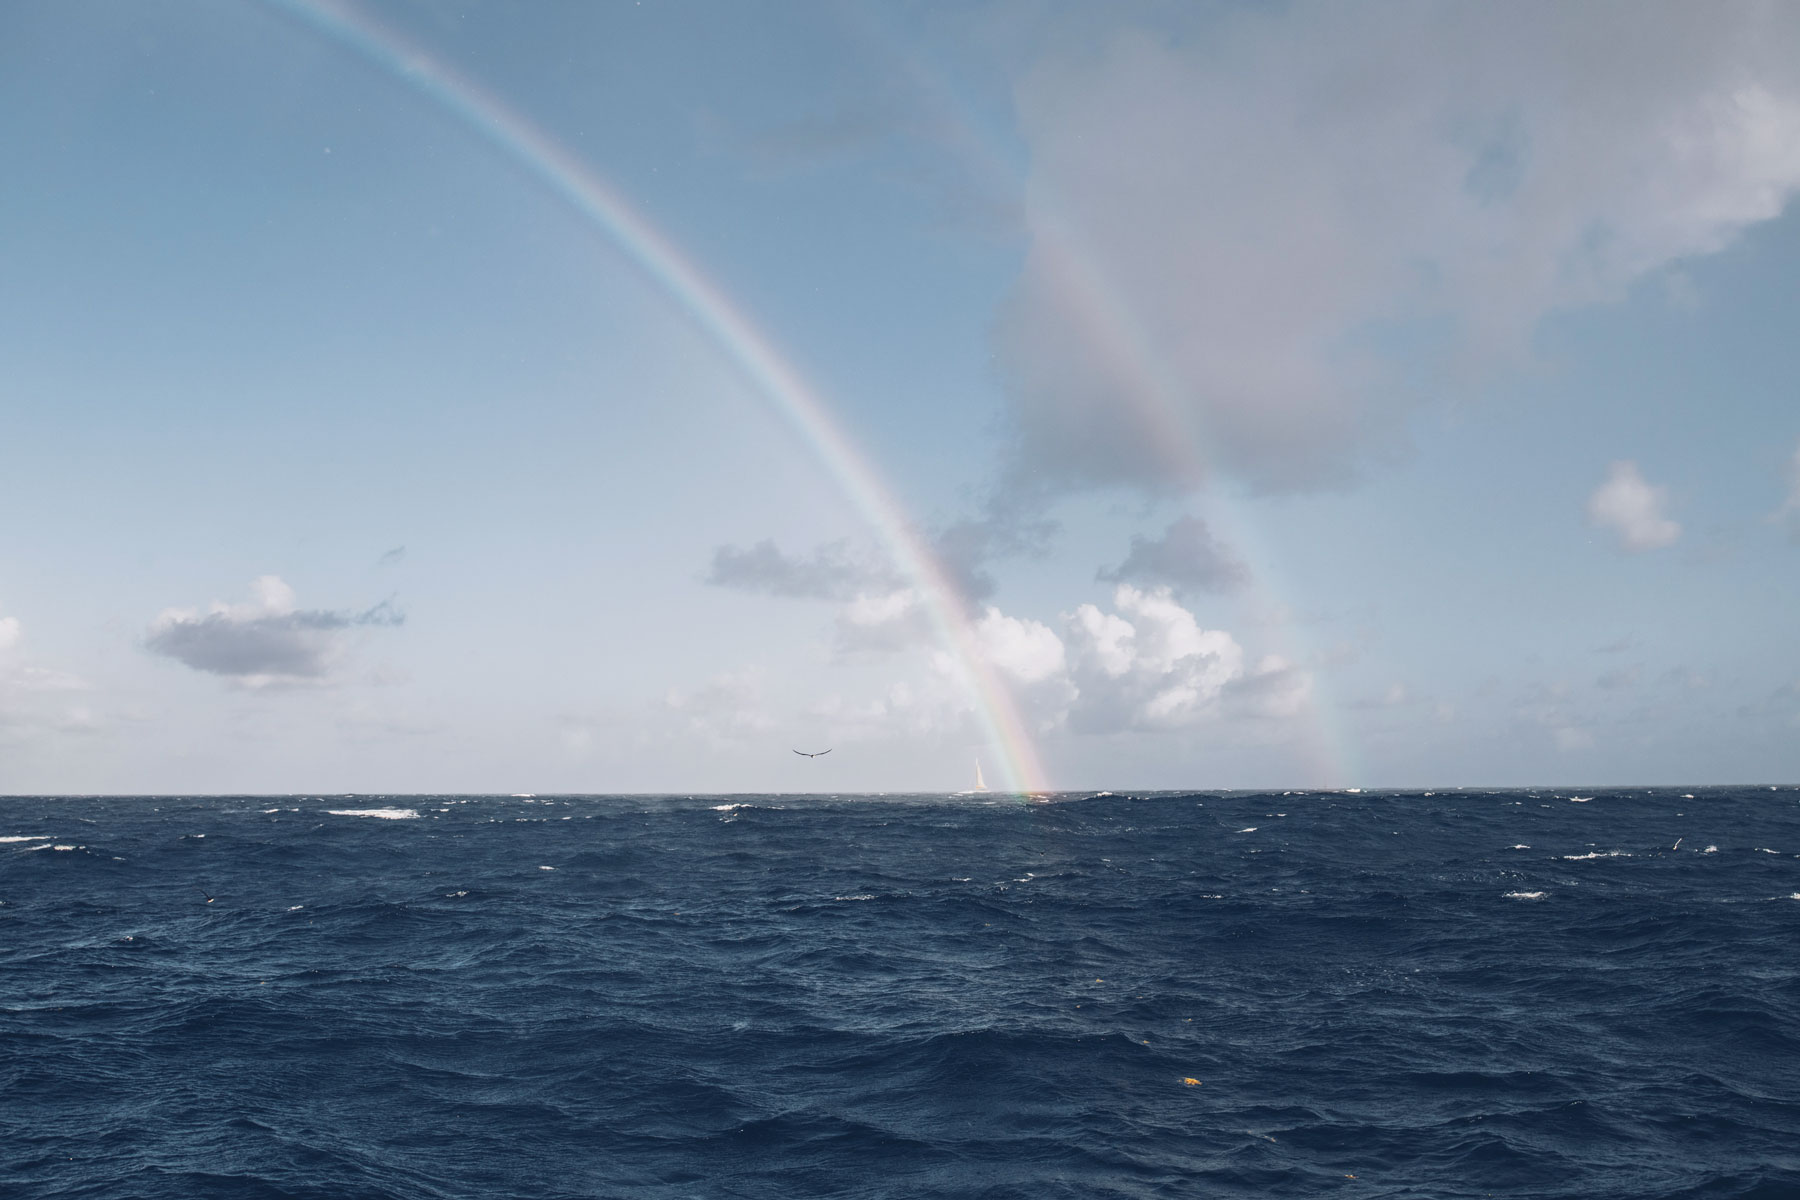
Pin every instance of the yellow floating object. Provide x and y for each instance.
(1191, 1081)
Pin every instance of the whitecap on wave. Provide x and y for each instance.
(26, 837)
(382, 814)
(1525, 895)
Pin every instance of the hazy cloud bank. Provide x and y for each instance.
(37, 700)
(1235, 234)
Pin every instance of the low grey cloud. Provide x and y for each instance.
(964, 548)
(1232, 227)
(879, 610)
(1187, 557)
(266, 642)
(391, 557)
(830, 572)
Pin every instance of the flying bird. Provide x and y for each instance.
(203, 892)
(804, 754)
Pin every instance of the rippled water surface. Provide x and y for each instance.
(1544, 994)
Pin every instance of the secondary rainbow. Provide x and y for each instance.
(1150, 388)
(729, 328)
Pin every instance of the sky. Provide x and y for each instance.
(418, 396)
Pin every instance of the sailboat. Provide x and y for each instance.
(980, 784)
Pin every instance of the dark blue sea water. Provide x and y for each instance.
(1434, 995)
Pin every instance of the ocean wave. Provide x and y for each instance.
(888, 998)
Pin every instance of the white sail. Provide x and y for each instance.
(980, 786)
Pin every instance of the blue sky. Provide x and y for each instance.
(1284, 396)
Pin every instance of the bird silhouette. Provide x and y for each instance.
(804, 754)
(202, 891)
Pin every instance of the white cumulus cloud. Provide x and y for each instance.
(1148, 666)
(1028, 651)
(1632, 508)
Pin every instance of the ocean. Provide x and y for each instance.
(1535, 993)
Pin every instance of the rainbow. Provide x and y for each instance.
(1156, 393)
(772, 376)
(1152, 388)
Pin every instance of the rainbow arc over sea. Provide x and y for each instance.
(730, 329)
(1149, 388)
